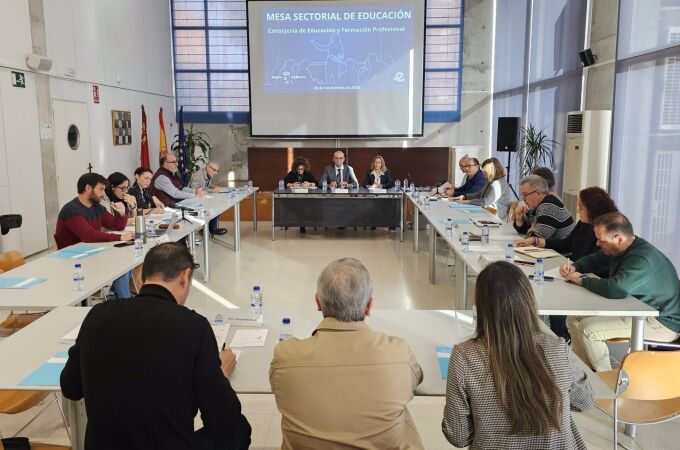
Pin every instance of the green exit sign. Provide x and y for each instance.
(18, 79)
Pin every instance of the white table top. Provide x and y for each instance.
(557, 297)
(423, 330)
(100, 269)
(219, 202)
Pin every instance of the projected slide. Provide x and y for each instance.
(337, 49)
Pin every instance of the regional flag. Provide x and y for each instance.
(164, 145)
(144, 154)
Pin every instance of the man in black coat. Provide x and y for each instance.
(146, 366)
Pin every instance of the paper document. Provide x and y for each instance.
(71, 335)
(221, 333)
(536, 252)
(249, 338)
(47, 374)
(555, 273)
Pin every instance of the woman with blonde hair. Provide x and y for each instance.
(495, 193)
(514, 385)
(379, 175)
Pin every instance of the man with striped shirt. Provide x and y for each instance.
(541, 214)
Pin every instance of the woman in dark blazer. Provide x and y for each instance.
(299, 175)
(379, 176)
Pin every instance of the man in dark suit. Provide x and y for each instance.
(339, 174)
(145, 366)
(474, 180)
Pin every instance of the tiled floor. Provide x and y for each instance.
(287, 270)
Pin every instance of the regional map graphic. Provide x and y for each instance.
(309, 50)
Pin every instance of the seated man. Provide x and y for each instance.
(635, 268)
(145, 367)
(347, 386)
(81, 220)
(339, 174)
(168, 186)
(203, 179)
(474, 180)
(541, 214)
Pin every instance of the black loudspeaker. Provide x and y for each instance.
(587, 57)
(508, 134)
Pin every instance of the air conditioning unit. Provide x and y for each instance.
(586, 154)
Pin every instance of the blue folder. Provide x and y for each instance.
(13, 282)
(79, 251)
(457, 221)
(443, 355)
(48, 374)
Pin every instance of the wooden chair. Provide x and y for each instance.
(15, 402)
(10, 260)
(647, 389)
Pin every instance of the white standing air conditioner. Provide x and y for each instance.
(586, 154)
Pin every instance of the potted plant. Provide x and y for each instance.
(198, 147)
(535, 150)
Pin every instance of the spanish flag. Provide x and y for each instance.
(164, 145)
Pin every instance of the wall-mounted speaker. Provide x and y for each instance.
(507, 136)
(587, 57)
(38, 62)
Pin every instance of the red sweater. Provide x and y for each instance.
(78, 223)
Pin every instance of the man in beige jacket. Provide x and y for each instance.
(346, 386)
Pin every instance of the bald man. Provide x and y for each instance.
(339, 174)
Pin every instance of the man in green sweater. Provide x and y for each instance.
(636, 268)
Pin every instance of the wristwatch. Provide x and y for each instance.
(583, 276)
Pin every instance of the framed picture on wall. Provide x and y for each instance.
(121, 124)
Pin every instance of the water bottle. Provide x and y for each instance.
(282, 185)
(150, 229)
(397, 184)
(426, 203)
(250, 185)
(201, 211)
(510, 253)
(260, 300)
(413, 188)
(286, 330)
(140, 225)
(465, 241)
(538, 271)
(405, 183)
(78, 277)
(139, 248)
(324, 185)
(256, 301)
(485, 235)
(449, 226)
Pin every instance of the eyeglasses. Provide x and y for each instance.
(213, 169)
(467, 165)
(123, 188)
(171, 162)
(525, 196)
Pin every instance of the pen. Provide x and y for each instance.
(224, 346)
(523, 263)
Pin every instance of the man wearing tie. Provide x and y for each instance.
(339, 174)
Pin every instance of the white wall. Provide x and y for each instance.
(123, 46)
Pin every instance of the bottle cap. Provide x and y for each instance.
(286, 321)
(78, 266)
(256, 288)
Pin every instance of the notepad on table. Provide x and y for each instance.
(443, 355)
(536, 252)
(254, 337)
(47, 374)
(20, 282)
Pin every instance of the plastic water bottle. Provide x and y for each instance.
(413, 188)
(485, 235)
(250, 185)
(78, 277)
(510, 253)
(397, 184)
(201, 211)
(256, 306)
(324, 185)
(139, 248)
(286, 331)
(449, 226)
(465, 241)
(426, 203)
(406, 183)
(538, 271)
(150, 229)
(282, 185)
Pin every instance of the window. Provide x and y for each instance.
(211, 60)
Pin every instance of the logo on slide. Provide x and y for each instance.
(399, 77)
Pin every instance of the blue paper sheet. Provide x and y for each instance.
(20, 282)
(465, 206)
(457, 221)
(79, 251)
(443, 355)
(48, 374)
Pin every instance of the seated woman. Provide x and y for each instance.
(140, 190)
(379, 176)
(299, 175)
(116, 192)
(495, 194)
(512, 386)
(592, 203)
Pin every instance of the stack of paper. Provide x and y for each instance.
(536, 252)
(254, 337)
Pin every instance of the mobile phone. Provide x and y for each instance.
(124, 244)
(545, 278)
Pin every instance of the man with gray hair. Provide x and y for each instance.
(540, 214)
(346, 386)
(204, 178)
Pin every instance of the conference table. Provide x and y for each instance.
(101, 262)
(554, 298)
(360, 207)
(215, 204)
(424, 331)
